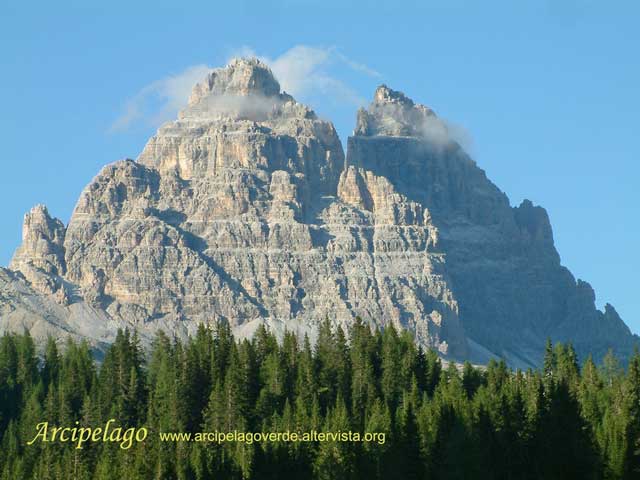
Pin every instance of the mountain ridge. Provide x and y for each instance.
(246, 209)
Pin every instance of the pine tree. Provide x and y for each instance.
(376, 461)
(363, 361)
(51, 367)
(77, 377)
(10, 395)
(335, 460)
(196, 385)
(433, 371)
(472, 379)
(391, 378)
(122, 391)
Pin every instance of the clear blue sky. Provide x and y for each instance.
(547, 90)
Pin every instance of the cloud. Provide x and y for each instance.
(303, 71)
(408, 119)
(256, 107)
(460, 135)
(306, 72)
(434, 131)
(160, 100)
(440, 132)
(359, 67)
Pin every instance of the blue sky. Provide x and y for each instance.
(545, 93)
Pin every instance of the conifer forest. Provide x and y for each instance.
(570, 419)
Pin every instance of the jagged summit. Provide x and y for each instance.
(242, 76)
(238, 118)
(392, 113)
(245, 210)
(245, 89)
(40, 258)
(384, 95)
(42, 236)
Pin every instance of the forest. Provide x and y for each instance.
(565, 420)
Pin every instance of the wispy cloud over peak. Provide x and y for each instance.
(304, 71)
(160, 100)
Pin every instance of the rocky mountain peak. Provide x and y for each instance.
(40, 258)
(42, 238)
(245, 89)
(394, 114)
(38, 219)
(242, 76)
(384, 95)
(238, 119)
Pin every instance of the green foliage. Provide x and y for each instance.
(451, 422)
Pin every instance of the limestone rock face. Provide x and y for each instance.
(42, 243)
(237, 120)
(504, 270)
(245, 210)
(40, 258)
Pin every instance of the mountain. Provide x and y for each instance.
(245, 209)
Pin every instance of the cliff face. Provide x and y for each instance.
(245, 209)
(504, 270)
